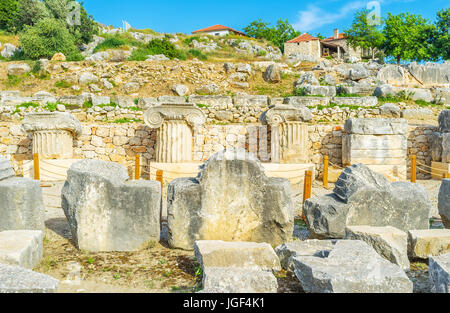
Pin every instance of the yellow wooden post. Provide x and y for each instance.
(307, 186)
(447, 175)
(36, 166)
(413, 168)
(159, 177)
(325, 171)
(137, 167)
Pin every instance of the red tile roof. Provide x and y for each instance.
(303, 38)
(340, 36)
(217, 28)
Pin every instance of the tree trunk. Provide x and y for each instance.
(398, 60)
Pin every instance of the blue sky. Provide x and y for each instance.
(317, 16)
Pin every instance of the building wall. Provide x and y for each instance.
(351, 51)
(308, 48)
(218, 33)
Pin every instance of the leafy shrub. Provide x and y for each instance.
(47, 37)
(63, 84)
(197, 54)
(51, 107)
(157, 46)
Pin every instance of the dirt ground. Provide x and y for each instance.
(156, 269)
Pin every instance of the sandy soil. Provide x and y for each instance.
(157, 268)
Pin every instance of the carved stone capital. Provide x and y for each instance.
(155, 117)
(45, 121)
(283, 113)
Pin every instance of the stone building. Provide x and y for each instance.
(218, 30)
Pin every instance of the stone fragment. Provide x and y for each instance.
(18, 69)
(231, 199)
(106, 212)
(15, 279)
(444, 121)
(180, 90)
(87, 78)
(376, 126)
(390, 110)
(9, 50)
(389, 242)
(428, 242)
(21, 247)
(248, 255)
(352, 266)
(6, 170)
(272, 74)
(439, 273)
(444, 202)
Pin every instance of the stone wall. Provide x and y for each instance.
(308, 48)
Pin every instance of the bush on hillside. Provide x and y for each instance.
(47, 37)
(8, 13)
(155, 47)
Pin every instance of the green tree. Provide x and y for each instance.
(364, 35)
(47, 37)
(8, 13)
(280, 33)
(441, 40)
(30, 12)
(408, 37)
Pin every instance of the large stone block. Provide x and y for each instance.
(444, 121)
(439, 273)
(15, 279)
(231, 200)
(6, 170)
(217, 102)
(363, 197)
(430, 73)
(444, 202)
(424, 243)
(307, 101)
(21, 204)
(288, 251)
(446, 147)
(389, 242)
(392, 74)
(106, 212)
(359, 101)
(238, 280)
(21, 247)
(249, 255)
(352, 266)
(376, 126)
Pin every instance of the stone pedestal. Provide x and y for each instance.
(289, 135)
(52, 134)
(177, 127)
(380, 144)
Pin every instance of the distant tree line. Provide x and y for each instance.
(43, 29)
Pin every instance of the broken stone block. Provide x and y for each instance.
(444, 121)
(424, 243)
(363, 197)
(232, 200)
(376, 126)
(238, 280)
(352, 266)
(249, 255)
(15, 279)
(444, 202)
(106, 212)
(288, 251)
(390, 242)
(21, 247)
(21, 204)
(6, 170)
(439, 272)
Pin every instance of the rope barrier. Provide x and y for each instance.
(432, 168)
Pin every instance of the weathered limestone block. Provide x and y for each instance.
(446, 147)
(376, 126)
(106, 212)
(430, 73)
(215, 101)
(439, 272)
(238, 280)
(15, 279)
(6, 170)
(363, 197)
(392, 74)
(359, 89)
(52, 133)
(307, 101)
(232, 200)
(444, 202)
(21, 247)
(288, 251)
(21, 204)
(352, 266)
(444, 121)
(360, 101)
(389, 242)
(424, 243)
(325, 91)
(177, 125)
(72, 100)
(250, 101)
(249, 255)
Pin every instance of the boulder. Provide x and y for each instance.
(99, 100)
(124, 101)
(238, 280)
(307, 78)
(272, 74)
(21, 247)
(390, 110)
(430, 73)
(427, 242)
(392, 74)
(436, 147)
(21, 204)
(180, 90)
(363, 197)
(106, 212)
(147, 102)
(72, 100)
(444, 202)
(209, 89)
(248, 255)
(231, 199)
(439, 273)
(131, 87)
(324, 91)
(358, 72)
(444, 121)
(18, 69)
(389, 242)
(329, 80)
(59, 57)
(383, 90)
(87, 78)
(9, 50)
(15, 279)
(352, 266)
(288, 251)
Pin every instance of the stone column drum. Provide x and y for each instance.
(177, 125)
(52, 133)
(289, 135)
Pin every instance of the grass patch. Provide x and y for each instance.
(25, 105)
(155, 47)
(50, 107)
(14, 81)
(200, 105)
(423, 103)
(117, 41)
(126, 120)
(87, 104)
(63, 84)
(197, 54)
